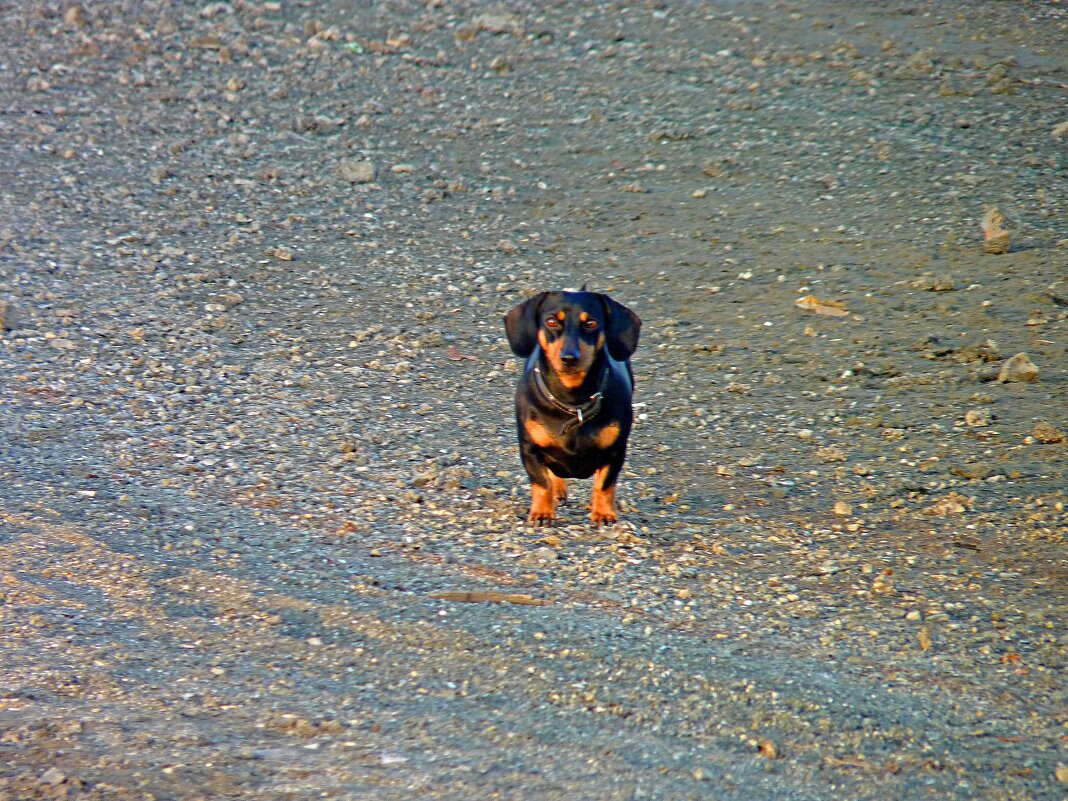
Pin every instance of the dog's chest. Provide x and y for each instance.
(566, 437)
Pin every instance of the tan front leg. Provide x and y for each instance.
(559, 488)
(603, 506)
(542, 505)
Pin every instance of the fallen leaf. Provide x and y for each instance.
(476, 596)
(925, 639)
(206, 43)
(453, 354)
(831, 308)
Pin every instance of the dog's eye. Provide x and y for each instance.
(590, 325)
(552, 322)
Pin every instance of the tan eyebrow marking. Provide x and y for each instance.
(583, 317)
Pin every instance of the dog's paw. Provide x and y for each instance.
(603, 517)
(541, 517)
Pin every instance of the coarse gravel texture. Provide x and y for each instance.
(261, 510)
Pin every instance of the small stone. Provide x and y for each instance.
(997, 232)
(1060, 130)
(842, 509)
(498, 23)
(943, 283)
(882, 585)
(952, 504)
(973, 471)
(934, 283)
(1062, 774)
(831, 453)
(1048, 433)
(768, 749)
(75, 17)
(1018, 369)
(545, 554)
(918, 65)
(9, 316)
(977, 418)
(356, 172)
(52, 776)
(914, 615)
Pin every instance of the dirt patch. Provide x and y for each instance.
(262, 510)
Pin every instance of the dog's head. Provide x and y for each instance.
(572, 328)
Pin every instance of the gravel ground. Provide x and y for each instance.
(261, 509)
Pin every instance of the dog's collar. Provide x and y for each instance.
(581, 413)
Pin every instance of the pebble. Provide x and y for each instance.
(9, 315)
(1048, 433)
(498, 23)
(1018, 368)
(768, 749)
(997, 232)
(52, 776)
(918, 65)
(356, 172)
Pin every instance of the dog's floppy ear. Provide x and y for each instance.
(521, 325)
(621, 330)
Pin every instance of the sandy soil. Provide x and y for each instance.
(261, 509)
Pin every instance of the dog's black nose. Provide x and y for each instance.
(569, 357)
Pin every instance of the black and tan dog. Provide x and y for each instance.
(573, 402)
